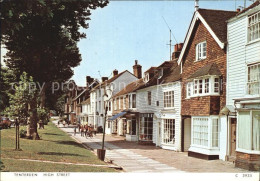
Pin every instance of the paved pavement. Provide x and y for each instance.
(133, 157)
(128, 160)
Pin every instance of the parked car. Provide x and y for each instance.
(5, 123)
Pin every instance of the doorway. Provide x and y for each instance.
(159, 137)
(186, 134)
(232, 148)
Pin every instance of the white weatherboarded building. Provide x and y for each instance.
(159, 107)
(242, 113)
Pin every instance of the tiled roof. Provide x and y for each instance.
(86, 101)
(150, 70)
(110, 80)
(131, 87)
(209, 69)
(217, 20)
(171, 75)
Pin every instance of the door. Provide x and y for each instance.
(159, 137)
(233, 137)
(187, 133)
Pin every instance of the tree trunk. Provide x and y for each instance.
(33, 119)
(43, 95)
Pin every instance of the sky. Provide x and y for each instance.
(125, 31)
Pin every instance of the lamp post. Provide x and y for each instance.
(17, 136)
(102, 152)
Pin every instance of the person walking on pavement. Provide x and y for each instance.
(86, 130)
(82, 130)
(75, 130)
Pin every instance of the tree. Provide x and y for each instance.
(41, 38)
(6, 78)
(23, 96)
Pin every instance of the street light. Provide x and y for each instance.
(102, 152)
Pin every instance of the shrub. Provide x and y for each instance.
(22, 133)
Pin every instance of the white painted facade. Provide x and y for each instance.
(161, 114)
(240, 55)
(98, 100)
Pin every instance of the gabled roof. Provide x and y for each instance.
(75, 98)
(151, 70)
(209, 69)
(171, 75)
(132, 87)
(216, 23)
(166, 64)
(250, 7)
(111, 79)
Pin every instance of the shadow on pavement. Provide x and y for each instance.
(58, 153)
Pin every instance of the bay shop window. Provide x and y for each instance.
(168, 131)
(248, 130)
(146, 127)
(205, 132)
(203, 87)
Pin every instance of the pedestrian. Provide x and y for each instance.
(75, 130)
(82, 130)
(79, 127)
(86, 130)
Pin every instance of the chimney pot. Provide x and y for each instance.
(115, 72)
(238, 9)
(137, 70)
(175, 47)
(104, 79)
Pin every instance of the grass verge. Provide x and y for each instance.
(55, 145)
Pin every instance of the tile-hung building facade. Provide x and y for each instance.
(242, 113)
(203, 62)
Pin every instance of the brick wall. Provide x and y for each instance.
(205, 105)
(247, 161)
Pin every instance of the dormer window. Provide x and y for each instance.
(160, 72)
(146, 78)
(201, 49)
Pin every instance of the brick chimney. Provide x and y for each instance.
(177, 50)
(104, 79)
(137, 70)
(115, 72)
(89, 80)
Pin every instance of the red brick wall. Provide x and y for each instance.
(247, 161)
(205, 105)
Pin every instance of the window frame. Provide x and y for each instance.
(251, 151)
(200, 51)
(165, 126)
(196, 86)
(209, 132)
(149, 98)
(256, 30)
(255, 80)
(168, 99)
